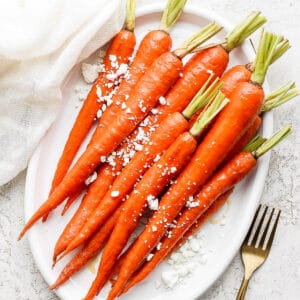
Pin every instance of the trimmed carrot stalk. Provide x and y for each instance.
(149, 187)
(90, 249)
(122, 48)
(215, 189)
(230, 125)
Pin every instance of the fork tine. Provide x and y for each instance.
(262, 240)
(253, 242)
(252, 224)
(269, 244)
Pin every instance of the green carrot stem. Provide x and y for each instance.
(209, 113)
(197, 39)
(204, 96)
(281, 48)
(243, 30)
(171, 14)
(273, 141)
(267, 47)
(130, 15)
(255, 143)
(283, 94)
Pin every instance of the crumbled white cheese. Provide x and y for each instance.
(123, 105)
(169, 278)
(102, 158)
(138, 147)
(150, 256)
(115, 193)
(158, 246)
(154, 228)
(173, 170)
(152, 202)
(91, 178)
(99, 113)
(122, 69)
(82, 92)
(162, 100)
(89, 72)
(112, 58)
(98, 91)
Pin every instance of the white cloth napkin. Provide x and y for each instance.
(40, 41)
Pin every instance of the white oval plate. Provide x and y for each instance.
(221, 242)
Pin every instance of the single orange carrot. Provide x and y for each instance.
(231, 124)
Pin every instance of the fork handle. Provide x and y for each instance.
(243, 289)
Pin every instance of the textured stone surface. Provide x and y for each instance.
(280, 276)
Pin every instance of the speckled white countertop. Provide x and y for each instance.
(279, 278)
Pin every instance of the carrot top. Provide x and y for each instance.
(273, 141)
(211, 110)
(171, 14)
(283, 94)
(243, 30)
(268, 46)
(130, 16)
(197, 39)
(207, 92)
(254, 143)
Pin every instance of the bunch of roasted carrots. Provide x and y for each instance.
(171, 138)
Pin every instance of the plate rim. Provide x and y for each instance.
(260, 176)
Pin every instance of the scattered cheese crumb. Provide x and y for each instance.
(162, 100)
(173, 170)
(89, 72)
(115, 193)
(152, 202)
(150, 256)
(91, 178)
(154, 228)
(158, 247)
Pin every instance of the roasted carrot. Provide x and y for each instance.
(121, 48)
(245, 103)
(161, 139)
(150, 186)
(155, 82)
(222, 182)
(197, 71)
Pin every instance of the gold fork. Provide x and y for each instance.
(253, 257)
